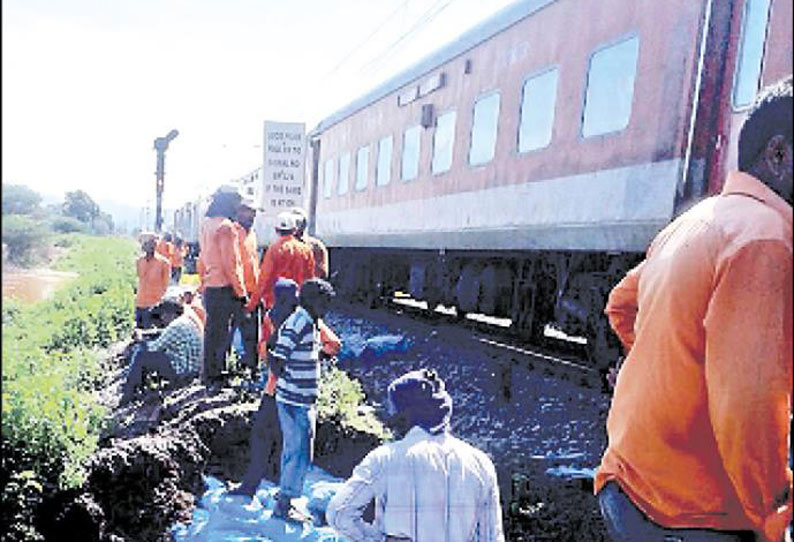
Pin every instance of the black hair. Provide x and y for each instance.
(770, 116)
(165, 311)
(314, 288)
(224, 204)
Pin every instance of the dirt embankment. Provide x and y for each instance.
(149, 467)
(148, 470)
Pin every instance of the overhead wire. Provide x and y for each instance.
(426, 18)
(365, 41)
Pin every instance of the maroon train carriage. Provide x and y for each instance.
(522, 169)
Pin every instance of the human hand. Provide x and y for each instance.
(612, 373)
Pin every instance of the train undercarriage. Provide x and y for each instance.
(567, 290)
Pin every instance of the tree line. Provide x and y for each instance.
(28, 225)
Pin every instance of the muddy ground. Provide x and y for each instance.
(147, 473)
(530, 417)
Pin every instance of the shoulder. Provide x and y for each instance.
(162, 259)
(226, 227)
(745, 220)
(277, 246)
(300, 320)
(381, 455)
(476, 458)
(315, 242)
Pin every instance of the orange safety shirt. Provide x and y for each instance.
(165, 249)
(196, 315)
(699, 423)
(153, 277)
(246, 244)
(178, 257)
(286, 258)
(198, 310)
(220, 261)
(320, 254)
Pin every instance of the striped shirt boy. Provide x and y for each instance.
(298, 346)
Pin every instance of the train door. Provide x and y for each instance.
(759, 52)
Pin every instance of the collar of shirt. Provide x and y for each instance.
(305, 313)
(738, 182)
(416, 433)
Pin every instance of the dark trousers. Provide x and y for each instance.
(143, 362)
(626, 523)
(143, 318)
(221, 304)
(176, 275)
(265, 445)
(248, 324)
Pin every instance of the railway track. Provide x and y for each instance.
(559, 356)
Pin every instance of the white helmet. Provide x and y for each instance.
(285, 222)
(300, 216)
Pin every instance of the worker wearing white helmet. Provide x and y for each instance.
(287, 257)
(319, 250)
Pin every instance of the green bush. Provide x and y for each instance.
(25, 237)
(341, 399)
(19, 200)
(67, 224)
(51, 419)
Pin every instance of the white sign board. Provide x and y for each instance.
(283, 171)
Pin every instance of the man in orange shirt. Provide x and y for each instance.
(248, 322)
(699, 426)
(153, 272)
(221, 279)
(165, 247)
(319, 251)
(287, 257)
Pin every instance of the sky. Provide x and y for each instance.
(87, 85)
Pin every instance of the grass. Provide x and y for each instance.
(51, 419)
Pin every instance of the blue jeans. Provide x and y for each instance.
(626, 523)
(297, 449)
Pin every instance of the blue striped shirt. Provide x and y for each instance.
(298, 345)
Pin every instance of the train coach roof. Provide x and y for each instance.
(502, 20)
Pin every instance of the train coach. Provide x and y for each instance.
(521, 170)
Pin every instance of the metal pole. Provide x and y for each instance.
(161, 145)
(158, 221)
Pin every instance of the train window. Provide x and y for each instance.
(751, 52)
(443, 143)
(362, 167)
(411, 142)
(538, 99)
(328, 178)
(383, 172)
(483, 129)
(344, 174)
(610, 88)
